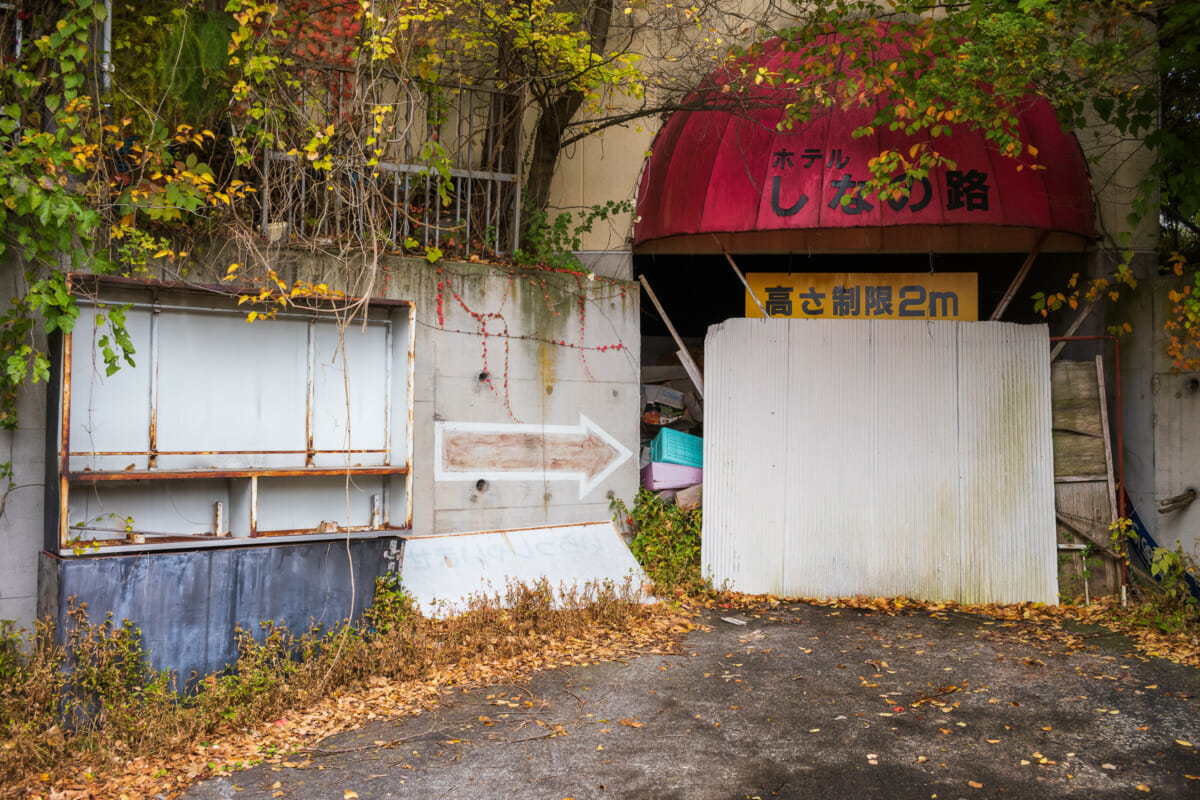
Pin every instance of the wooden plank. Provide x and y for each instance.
(742, 278)
(1112, 490)
(1076, 455)
(1082, 511)
(1083, 314)
(693, 370)
(1075, 398)
(1020, 277)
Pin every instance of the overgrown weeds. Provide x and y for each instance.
(666, 544)
(93, 699)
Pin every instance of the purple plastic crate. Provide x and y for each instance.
(657, 475)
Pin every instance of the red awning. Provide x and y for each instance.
(719, 180)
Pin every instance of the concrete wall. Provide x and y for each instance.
(21, 523)
(553, 346)
(1162, 414)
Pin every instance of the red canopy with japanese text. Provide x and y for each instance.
(734, 179)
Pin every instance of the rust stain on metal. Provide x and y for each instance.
(309, 397)
(64, 453)
(154, 336)
(408, 452)
(159, 474)
(214, 452)
(153, 460)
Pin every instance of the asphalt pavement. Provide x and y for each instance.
(800, 701)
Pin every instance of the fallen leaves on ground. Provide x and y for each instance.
(138, 777)
(1043, 622)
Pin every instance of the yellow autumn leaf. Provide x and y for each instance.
(349, 794)
(1182, 743)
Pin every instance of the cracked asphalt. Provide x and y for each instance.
(799, 702)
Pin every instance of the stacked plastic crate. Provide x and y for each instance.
(676, 461)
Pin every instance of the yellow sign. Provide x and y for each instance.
(865, 295)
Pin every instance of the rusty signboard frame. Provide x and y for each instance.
(392, 315)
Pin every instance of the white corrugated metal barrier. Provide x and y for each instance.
(847, 457)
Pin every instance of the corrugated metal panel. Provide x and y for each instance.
(749, 457)
(1008, 465)
(885, 458)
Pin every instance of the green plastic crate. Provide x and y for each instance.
(674, 447)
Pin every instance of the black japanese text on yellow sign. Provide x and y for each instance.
(865, 295)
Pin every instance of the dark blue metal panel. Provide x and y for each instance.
(188, 604)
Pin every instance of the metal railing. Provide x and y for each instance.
(447, 177)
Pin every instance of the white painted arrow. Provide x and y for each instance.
(501, 451)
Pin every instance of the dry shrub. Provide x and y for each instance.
(95, 697)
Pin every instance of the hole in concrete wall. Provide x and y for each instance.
(1192, 385)
(481, 485)
(484, 376)
(549, 389)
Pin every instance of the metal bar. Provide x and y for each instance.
(94, 476)
(387, 396)
(125, 534)
(266, 193)
(437, 216)
(425, 215)
(1020, 276)
(420, 169)
(253, 505)
(167, 541)
(470, 133)
(314, 315)
(487, 212)
(470, 162)
(395, 209)
(457, 203)
(220, 452)
(65, 454)
(514, 239)
(742, 278)
(87, 279)
(106, 58)
(468, 252)
(408, 455)
(152, 461)
(303, 200)
(309, 398)
(218, 517)
(293, 201)
(407, 197)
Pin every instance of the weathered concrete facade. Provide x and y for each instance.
(1161, 413)
(516, 349)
